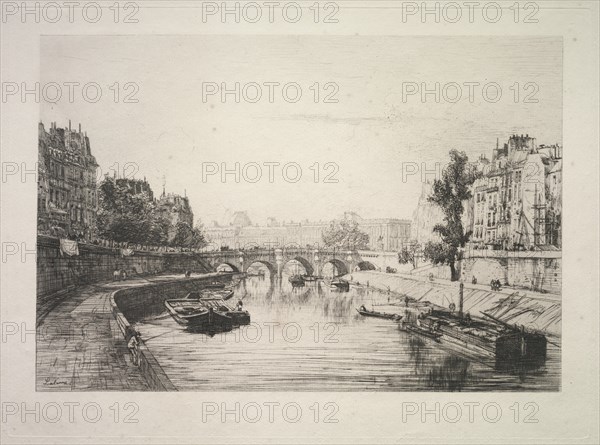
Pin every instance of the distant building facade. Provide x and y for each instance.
(384, 234)
(67, 198)
(426, 216)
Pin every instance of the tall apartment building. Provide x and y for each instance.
(67, 199)
(517, 203)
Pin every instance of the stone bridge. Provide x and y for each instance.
(313, 260)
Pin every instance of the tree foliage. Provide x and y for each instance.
(345, 234)
(125, 216)
(188, 236)
(449, 193)
(409, 255)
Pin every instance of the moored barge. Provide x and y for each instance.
(509, 346)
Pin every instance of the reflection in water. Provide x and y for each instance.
(452, 374)
(312, 339)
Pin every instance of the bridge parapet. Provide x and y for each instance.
(312, 259)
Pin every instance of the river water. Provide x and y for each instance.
(312, 339)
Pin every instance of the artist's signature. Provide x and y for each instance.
(54, 381)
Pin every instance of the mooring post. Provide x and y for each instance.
(460, 300)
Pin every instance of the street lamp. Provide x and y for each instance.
(279, 261)
(349, 259)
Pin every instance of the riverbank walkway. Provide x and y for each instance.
(535, 310)
(382, 281)
(79, 345)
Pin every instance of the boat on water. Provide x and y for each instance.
(340, 284)
(257, 273)
(508, 345)
(213, 285)
(311, 277)
(371, 313)
(296, 280)
(206, 313)
(224, 294)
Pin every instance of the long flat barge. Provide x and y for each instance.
(507, 345)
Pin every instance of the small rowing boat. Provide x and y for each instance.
(340, 284)
(367, 313)
(207, 313)
(223, 294)
(296, 280)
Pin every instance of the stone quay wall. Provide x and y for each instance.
(131, 304)
(57, 272)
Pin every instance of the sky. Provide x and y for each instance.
(364, 141)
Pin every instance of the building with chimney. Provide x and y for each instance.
(136, 186)
(176, 209)
(515, 204)
(67, 198)
(518, 199)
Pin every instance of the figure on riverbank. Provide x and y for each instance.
(468, 319)
(495, 285)
(452, 307)
(133, 346)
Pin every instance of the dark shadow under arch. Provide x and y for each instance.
(233, 268)
(366, 265)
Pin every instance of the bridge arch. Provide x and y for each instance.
(340, 266)
(366, 265)
(484, 270)
(272, 269)
(305, 263)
